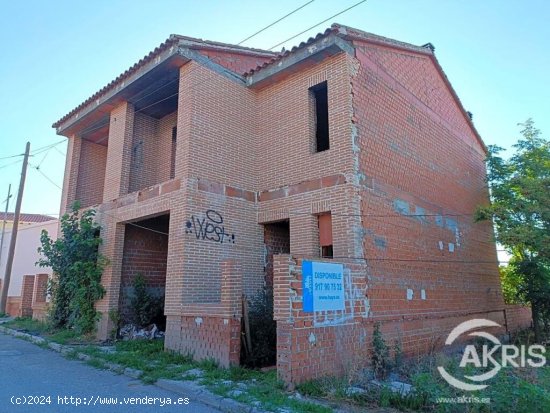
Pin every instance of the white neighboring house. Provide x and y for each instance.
(26, 251)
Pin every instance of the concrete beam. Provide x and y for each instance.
(306, 55)
(206, 62)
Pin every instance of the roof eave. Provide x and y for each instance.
(169, 56)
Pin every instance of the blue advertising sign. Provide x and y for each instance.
(323, 286)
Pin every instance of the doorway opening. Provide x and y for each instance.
(143, 275)
(259, 347)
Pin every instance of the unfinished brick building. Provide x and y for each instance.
(217, 170)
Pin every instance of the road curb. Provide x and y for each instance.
(184, 388)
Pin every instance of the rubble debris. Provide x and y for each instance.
(132, 332)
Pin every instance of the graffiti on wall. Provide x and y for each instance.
(209, 227)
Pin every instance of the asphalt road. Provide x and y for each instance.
(48, 380)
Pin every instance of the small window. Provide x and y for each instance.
(326, 251)
(320, 97)
(173, 154)
(325, 235)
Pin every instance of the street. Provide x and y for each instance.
(33, 379)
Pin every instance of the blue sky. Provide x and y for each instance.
(58, 53)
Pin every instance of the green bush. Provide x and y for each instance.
(263, 331)
(78, 266)
(147, 308)
(381, 363)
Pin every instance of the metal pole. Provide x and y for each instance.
(11, 252)
(4, 223)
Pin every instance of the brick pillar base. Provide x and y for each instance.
(27, 290)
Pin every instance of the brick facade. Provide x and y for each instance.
(403, 174)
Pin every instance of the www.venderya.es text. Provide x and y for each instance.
(94, 400)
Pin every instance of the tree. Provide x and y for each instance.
(78, 266)
(510, 281)
(520, 211)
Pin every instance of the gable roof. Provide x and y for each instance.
(26, 217)
(335, 39)
(427, 49)
(344, 32)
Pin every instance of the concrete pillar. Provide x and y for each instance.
(119, 152)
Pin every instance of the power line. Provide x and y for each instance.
(59, 152)
(10, 164)
(47, 147)
(12, 156)
(37, 168)
(44, 158)
(318, 24)
(275, 22)
(36, 151)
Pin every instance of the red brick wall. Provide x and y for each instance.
(412, 163)
(239, 63)
(13, 306)
(211, 331)
(164, 146)
(286, 134)
(417, 74)
(27, 288)
(119, 152)
(91, 174)
(143, 169)
(39, 304)
(518, 318)
(312, 345)
(70, 178)
(145, 253)
(151, 150)
(214, 109)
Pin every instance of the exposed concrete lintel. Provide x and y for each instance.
(325, 47)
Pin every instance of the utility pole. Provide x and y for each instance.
(11, 251)
(4, 223)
